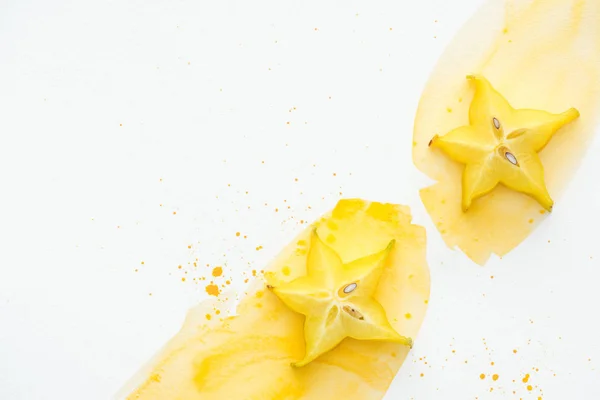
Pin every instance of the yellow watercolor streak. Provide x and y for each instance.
(542, 54)
(249, 356)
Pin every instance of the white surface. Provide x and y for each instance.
(203, 92)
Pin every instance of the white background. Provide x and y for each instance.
(109, 109)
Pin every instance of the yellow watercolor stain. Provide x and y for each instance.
(217, 271)
(332, 225)
(257, 345)
(536, 70)
(286, 270)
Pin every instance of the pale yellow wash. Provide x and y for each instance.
(542, 55)
(248, 356)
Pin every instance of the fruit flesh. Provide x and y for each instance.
(337, 299)
(541, 55)
(248, 356)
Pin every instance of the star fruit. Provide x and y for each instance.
(500, 145)
(337, 300)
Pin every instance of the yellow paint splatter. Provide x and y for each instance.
(261, 342)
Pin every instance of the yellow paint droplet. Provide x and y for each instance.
(495, 376)
(212, 290)
(422, 374)
(531, 220)
(286, 270)
(237, 234)
(526, 378)
(529, 387)
(259, 294)
(208, 317)
(217, 271)
(515, 351)
(482, 376)
(408, 315)
(183, 279)
(330, 238)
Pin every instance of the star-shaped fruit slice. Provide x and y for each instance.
(337, 300)
(500, 145)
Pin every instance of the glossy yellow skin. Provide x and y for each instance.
(500, 145)
(337, 300)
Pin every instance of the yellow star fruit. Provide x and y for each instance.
(337, 300)
(500, 145)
